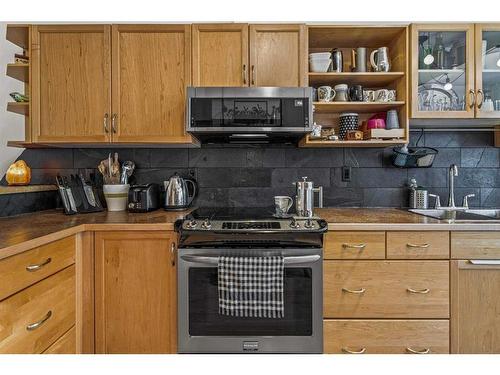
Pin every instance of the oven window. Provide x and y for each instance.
(205, 320)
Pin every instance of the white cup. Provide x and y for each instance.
(116, 197)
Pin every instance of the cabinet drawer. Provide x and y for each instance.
(386, 289)
(354, 245)
(386, 336)
(24, 269)
(50, 302)
(418, 245)
(66, 344)
(475, 245)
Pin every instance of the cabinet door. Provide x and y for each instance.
(71, 88)
(443, 71)
(220, 55)
(488, 70)
(151, 70)
(135, 292)
(475, 307)
(278, 55)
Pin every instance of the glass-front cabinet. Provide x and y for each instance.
(443, 71)
(488, 70)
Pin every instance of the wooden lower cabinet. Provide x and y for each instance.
(386, 289)
(136, 299)
(34, 318)
(66, 344)
(386, 336)
(475, 307)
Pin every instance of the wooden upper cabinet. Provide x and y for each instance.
(220, 55)
(151, 70)
(442, 64)
(135, 292)
(71, 88)
(278, 55)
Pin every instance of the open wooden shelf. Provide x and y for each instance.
(367, 79)
(19, 35)
(26, 189)
(19, 71)
(306, 142)
(21, 108)
(359, 107)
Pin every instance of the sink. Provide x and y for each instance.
(460, 214)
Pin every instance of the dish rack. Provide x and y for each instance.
(413, 157)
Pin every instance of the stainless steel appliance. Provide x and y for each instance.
(207, 234)
(144, 198)
(304, 198)
(249, 114)
(177, 194)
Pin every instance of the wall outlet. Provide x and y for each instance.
(346, 174)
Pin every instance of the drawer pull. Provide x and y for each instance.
(423, 351)
(354, 291)
(417, 245)
(33, 326)
(354, 246)
(36, 267)
(418, 291)
(349, 351)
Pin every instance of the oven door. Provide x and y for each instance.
(203, 330)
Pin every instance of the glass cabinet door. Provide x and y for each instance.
(488, 70)
(442, 71)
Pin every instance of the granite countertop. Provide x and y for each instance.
(20, 233)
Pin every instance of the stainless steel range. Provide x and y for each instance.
(205, 235)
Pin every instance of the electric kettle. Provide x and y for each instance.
(177, 195)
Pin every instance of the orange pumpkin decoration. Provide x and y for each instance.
(18, 173)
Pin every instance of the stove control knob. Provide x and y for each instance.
(309, 224)
(192, 224)
(294, 224)
(206, 224)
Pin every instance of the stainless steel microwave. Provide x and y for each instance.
(249, 114)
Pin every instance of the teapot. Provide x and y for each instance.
(177, 195)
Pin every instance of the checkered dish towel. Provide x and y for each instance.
(251, 286)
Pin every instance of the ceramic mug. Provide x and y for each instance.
(391, 95)
(356, 93)
(392, 120)
(342, 94)
(368, 95)
(326, 94)
(282, 204)
(382, 95)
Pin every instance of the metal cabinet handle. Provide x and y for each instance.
(33, 326)
(105, 123)
(480, 94)
(36, 267)
(418, 291)
(414, 351)
(172, 252)
(253, 75)
(354, 291)
(353, 246)
(244, 74)
(472, 95)
(360, 351)
(416, 245)
(113, 122)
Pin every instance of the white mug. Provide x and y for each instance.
(326, 93)
(282, 204)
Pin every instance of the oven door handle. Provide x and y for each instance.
(214, 260)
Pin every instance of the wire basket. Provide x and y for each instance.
(416, 157)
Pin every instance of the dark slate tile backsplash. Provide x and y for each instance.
(252, 175)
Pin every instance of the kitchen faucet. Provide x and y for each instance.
(452, 173)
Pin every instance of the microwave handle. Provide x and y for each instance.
(214, 260)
